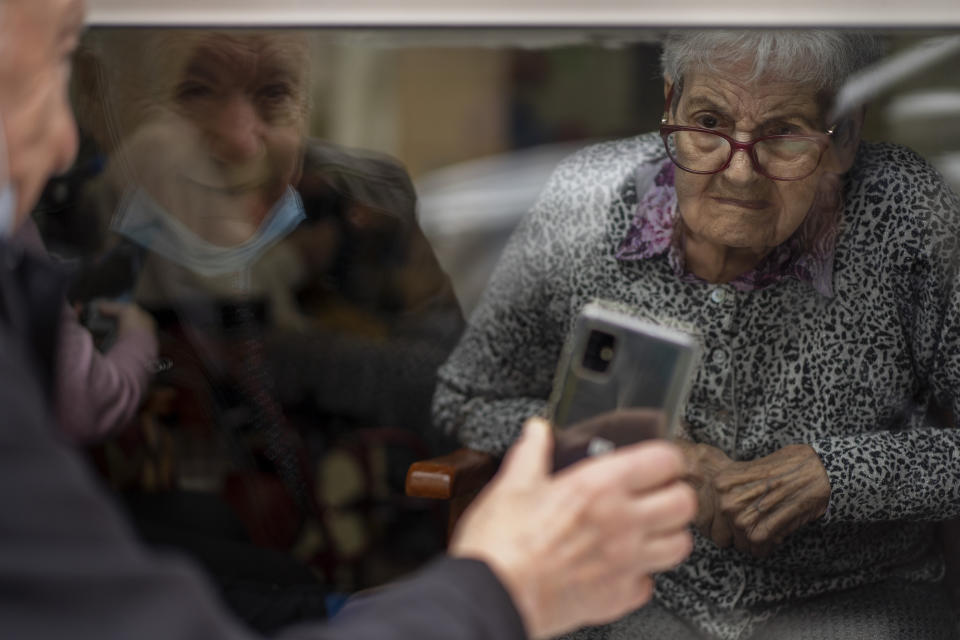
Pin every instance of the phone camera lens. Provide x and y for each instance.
(599, 352)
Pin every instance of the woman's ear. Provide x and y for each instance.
(846, 140)
(667, 96)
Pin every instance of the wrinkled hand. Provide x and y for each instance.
(578, 547)
(704, 463)
(129, 316)
(766, 500)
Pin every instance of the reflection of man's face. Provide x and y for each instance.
(219, 138)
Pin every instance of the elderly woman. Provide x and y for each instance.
(819, 273)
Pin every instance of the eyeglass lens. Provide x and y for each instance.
(704, 151)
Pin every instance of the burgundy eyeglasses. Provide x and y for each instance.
(779, 157)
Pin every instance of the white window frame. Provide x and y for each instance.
(939, 14)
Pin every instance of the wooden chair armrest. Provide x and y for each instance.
(459, 474)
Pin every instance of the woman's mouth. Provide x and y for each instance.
(743, 204)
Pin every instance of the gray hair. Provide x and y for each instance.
(820, 58)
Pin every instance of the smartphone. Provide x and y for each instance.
(614, 366)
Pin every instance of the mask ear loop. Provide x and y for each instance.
(8, 195)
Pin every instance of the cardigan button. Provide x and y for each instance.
(718, 295)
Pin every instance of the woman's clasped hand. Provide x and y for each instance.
(755, 505)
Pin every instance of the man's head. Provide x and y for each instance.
(37, 40)
(210, 123)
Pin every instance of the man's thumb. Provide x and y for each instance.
(531, 458)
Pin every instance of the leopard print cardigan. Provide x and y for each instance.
(855, 376)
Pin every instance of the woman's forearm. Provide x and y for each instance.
(892, 475)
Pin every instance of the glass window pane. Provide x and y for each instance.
(361, 248)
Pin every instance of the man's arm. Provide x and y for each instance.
(70, 568)
(555, 551)
(453, 598)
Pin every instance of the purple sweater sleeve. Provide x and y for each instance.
(100, 392)
(96, 393)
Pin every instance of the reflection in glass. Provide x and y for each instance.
(300, 309)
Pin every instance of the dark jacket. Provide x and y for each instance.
(70, 568)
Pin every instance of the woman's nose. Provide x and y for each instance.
(234, 131)
(741, 169)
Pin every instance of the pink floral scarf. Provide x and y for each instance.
(807, 255)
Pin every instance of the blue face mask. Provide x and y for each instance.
(141, 219)
(8, 210)
(8, 194)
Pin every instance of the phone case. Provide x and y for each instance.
(614, 361)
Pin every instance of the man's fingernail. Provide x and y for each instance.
(533, 425)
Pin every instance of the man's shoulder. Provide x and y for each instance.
(336, 177)
(322, 154)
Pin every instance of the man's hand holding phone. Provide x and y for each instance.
(580, 546)
(108, 320)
